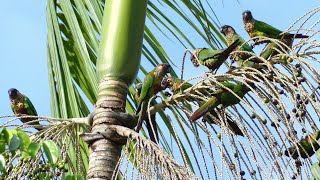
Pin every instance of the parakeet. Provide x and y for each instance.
(176, 84)
(138, 88)
(231, 36)
(21, 105)
(306, 146)
(150, 86)
(212, 58)
(221, 96)
(259, 28)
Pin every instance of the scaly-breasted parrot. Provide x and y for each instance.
(231, 36)
(306, 146)
(151, 86)
(21, 105)
(212, 58)
(258, 28)
(176, 84)
(221, 96)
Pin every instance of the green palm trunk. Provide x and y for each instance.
(120, 48)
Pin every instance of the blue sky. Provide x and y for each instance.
(23, 53)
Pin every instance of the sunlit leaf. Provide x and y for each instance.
(2, 146)
(24, 138)
(33, 149)
(51, 150)
(7, 133)
(2, 162)
(14, 142)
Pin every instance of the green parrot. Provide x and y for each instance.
(138, 88)
(231, 36)
(221, 96)
(258, 28)
(212, 58)
(176, 84)
(21, 105)
(150, 87)
(306, 146)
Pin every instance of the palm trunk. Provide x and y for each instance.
(117, 67)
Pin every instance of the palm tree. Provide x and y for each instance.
(88, 58)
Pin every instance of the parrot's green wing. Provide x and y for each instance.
(146, 87)
(180, 85)
(242, 42)
(208, 53)
(29, 106)
(228, 85)
(268, 30)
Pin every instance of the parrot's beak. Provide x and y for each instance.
(138, 87)
(221, 30)
(164, 83)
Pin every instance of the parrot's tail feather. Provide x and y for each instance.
(196, 115)
(230, 48)
(39, 128)
(203, 109)
(301, 36)
(235, 128)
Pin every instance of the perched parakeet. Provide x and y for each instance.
(138, 88)
(150, 87)
(176, 84)
(221, 96)
(231, 36)
(212, 58)
(21, 105)
(306, 146)
(258, 28)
